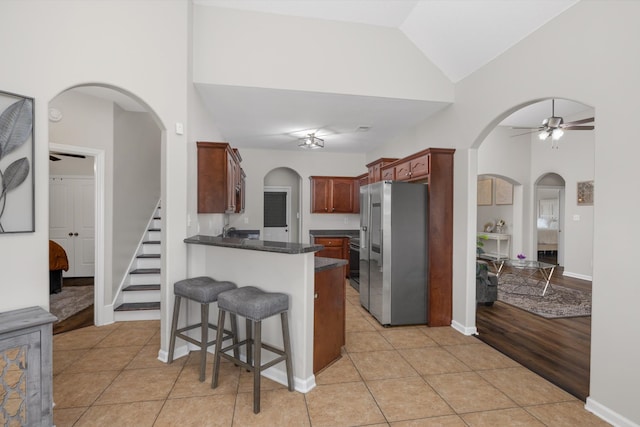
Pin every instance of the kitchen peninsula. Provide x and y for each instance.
(289, 268)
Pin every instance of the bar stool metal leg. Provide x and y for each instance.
(257, 364)
(174, 327)
(204, 319)
(284, 318)
(217, 358)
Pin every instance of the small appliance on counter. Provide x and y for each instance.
(393, 252)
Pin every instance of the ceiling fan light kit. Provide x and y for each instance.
(311, 142)
(553, 127)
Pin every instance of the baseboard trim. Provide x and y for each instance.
(577, 276)
(466, 330)
(607, 414)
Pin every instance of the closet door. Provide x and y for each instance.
(71, 222)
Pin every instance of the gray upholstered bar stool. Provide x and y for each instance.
(203, 290)
(255, 305)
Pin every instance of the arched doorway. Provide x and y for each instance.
(123, 136)
(282, 219)
(549, 216)
(560, 343)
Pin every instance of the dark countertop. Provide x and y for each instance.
(334, 233)
(253, 245)
(322, 263)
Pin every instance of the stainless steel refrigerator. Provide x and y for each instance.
(393, 252)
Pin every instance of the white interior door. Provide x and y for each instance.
(277, 214)
(71, 222)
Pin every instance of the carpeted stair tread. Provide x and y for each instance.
(145, 271)
(133, 306)
(142, 288)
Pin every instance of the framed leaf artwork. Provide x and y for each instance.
(16, 164)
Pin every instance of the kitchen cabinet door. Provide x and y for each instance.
(332, 194)
(328, 317)
(219, 178)
(342, 195)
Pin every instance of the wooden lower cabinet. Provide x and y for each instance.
(334, 247)
(328, 317)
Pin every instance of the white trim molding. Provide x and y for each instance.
(578, 276)
(608, 415)
(466, 330)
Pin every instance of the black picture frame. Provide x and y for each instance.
(17, 184)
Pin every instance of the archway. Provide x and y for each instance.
(523, 157)
(549, 216)
(108, 123)
(282, 205)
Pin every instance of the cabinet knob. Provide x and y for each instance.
(75, 234)
(315, 295)
(70, 234)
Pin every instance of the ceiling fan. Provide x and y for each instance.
(55, 159)
(555, 126)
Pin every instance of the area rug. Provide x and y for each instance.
(558, 301)
(71, 300)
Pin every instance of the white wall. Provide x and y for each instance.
(268, 50)
(136, 185)
(574, 161)
(88, 122)
(594, 67)
(117, 43)
(525, 159)
(258, 163)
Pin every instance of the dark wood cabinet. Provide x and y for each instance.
(328, 317)
(440, 235)
(375, 169)
(433, 166)
(334, 247)
(412, 168)
(332, 194)
(359, 182)
(220, 178)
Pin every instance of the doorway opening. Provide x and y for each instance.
(549, 215)
(282, 205)
(277, 213)
(527, 158)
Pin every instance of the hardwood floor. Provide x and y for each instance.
(81, 319)
(556, 349)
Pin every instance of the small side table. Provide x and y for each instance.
(26, 373)
(526, 268)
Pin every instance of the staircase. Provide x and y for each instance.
(140, 296)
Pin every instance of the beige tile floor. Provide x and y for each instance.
(401, 376)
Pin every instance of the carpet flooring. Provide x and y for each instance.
(71, 300)
(558, 301)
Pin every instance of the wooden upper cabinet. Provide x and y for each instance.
(331, 194)
(411, 168)
(219, 178)
(388, 174)
(375, 169)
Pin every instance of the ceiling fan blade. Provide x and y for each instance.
(526, 133)
(54, 158)
(77, 156)
(580, 122)
(578, 127)
(527, 127)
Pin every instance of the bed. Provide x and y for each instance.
(547, 235)
(58, 262)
